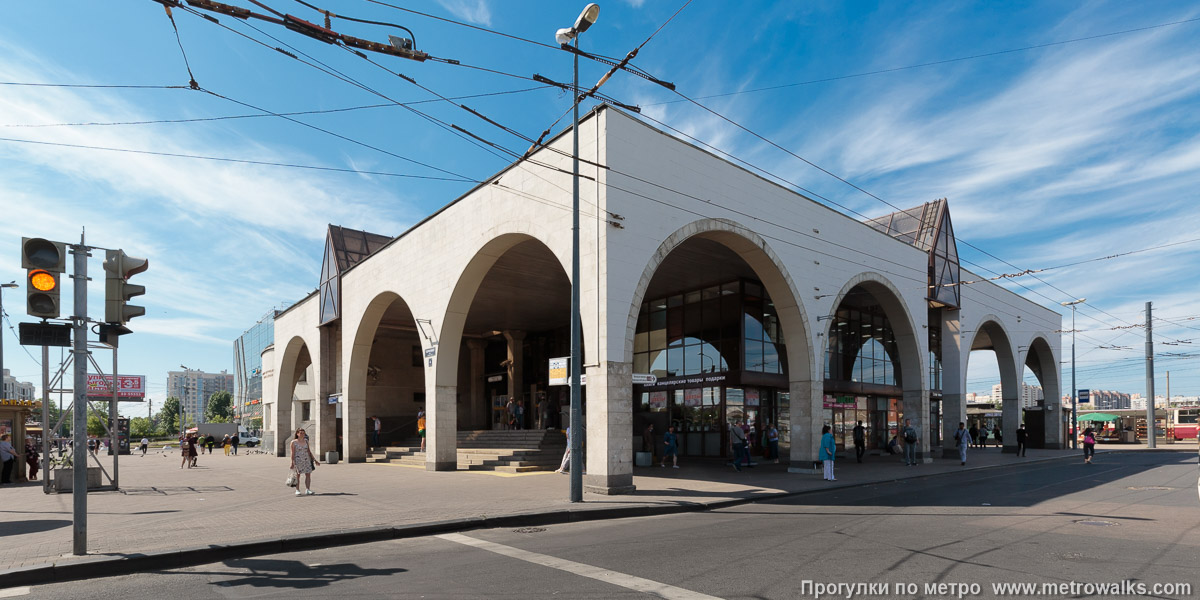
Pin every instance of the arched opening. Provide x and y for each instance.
(1040, 389)
(518, 319)
(873, 371)
(295, 402)
(387, 373)
(719, 328)
(993, 388)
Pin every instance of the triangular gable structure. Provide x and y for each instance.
(344, 248)
(928, 227)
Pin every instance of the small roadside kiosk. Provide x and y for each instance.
(13, 414)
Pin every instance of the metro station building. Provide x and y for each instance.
(746, 301)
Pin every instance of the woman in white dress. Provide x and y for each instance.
(303, 461)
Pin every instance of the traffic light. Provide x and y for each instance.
(43, 260)
(118, 268)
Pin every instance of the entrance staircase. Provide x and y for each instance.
(512, 451)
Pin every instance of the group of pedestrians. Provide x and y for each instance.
(980, 435)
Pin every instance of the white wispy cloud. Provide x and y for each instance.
(473, 11)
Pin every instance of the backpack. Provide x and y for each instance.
(910, 436)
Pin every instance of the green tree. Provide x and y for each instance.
(168, 415)
(140, 427)
(95, 426)
(220, 408)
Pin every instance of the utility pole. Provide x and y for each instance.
(1150, 443)
(79, 417)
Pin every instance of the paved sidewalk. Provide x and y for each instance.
(238, 505)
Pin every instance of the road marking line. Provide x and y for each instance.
(620, 579)
(14, 592)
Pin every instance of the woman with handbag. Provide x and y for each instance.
(303, 462)
(1089, 445)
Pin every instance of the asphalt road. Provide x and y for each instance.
(1128, 517)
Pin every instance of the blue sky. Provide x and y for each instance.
(1049, 155)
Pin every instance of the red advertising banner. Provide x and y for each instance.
(128, 386)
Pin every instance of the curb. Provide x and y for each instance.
(108, 565)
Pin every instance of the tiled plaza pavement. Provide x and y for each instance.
(236, 499)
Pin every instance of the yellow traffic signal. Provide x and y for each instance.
(42, 281)
(44, 260)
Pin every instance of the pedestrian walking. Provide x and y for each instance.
(1021, 440)
(510, 414)
(983, 436)
(234, 441)
(565, 467)
(1089, 445)
(911, 437)
(421, 428)
(671, 448)
(962, 439)
(996, 433)
(860, 441)
(31, 459)
(225, 444)
(974, 431)
(737, 440)
(520, 417)
(648, 440)
(303, 462)
(772, 436)
(210, 441)
(375, 433)
(828, 451)
(8, 455)
(145, 445)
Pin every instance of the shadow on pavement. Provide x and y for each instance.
(1026, 486)
(292, 574)
(173, 490)
(34, 526)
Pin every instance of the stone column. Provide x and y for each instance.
(1053, 414)
(516, 363)
(441, 427)
(806, 399)
(480, 412)
(915, 404)
(954, 400)
(1010, 419)
(325, 413)
(609, 430)
(354, 401)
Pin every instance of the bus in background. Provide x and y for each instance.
(1184, 422)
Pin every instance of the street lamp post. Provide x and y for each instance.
(564, 36)
(1074, 401)
(183, 400)
(11, 284)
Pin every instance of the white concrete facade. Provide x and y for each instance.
(655, 194)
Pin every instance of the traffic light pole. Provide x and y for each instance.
(79, 413)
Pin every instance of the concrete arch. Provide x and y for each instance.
(753, 249)
(442, 387)
(354, 434)
(1006, 355)
(793, 320)
(1040, 359)
(898, 314)
(910, 340)
(294, 360)
(991, 328)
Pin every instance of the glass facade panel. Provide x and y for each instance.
(861, 349)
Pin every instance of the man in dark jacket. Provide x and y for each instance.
(1021, 440)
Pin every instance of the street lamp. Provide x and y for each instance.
(183, 401)
(11, 284)
(1074, 408)
(565, 36)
